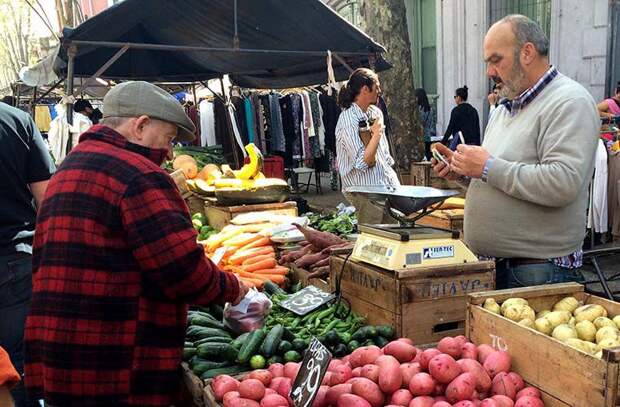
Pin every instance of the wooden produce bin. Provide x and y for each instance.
(451, 219)
(192, 388)
(422, 175)
(298, 274)
(220, 216)
(566, 376)
(423, 304)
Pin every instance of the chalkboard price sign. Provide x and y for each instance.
(306, 300)
(311, 373)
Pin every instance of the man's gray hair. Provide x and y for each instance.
(528, 30)
(114, 122)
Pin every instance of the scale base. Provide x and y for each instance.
(393, 247)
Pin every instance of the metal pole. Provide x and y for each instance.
(176, 48)
(103, 68)
(343, 62)
(54, 86)
(236, 37)
(71, 53)
(32, 102)
(231, 135)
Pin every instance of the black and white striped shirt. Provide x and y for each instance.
(350, 151)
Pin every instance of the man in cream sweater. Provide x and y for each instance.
(528, 182)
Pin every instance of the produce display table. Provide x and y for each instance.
(565, 375)
(423, 304)
(450, 219)
(220, 216)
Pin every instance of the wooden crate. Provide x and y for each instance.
(220, 216)
(192, 387)
(422, 175)
(208, 396)
(179, 179)
(301, 275)
(566, 376)
(451, 219)
(423, 304)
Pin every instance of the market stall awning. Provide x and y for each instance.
(281, 43)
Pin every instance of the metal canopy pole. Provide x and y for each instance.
(160, 47)
(71, 53)
(54, 86)
(343, 62)
(101, 70)
(233, 141)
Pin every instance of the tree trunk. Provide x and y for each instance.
(385, 21)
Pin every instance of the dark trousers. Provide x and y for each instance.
(15, 294)
(526, 275)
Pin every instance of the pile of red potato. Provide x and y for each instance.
(455, 374)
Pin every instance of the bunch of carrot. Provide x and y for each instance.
(250, 256)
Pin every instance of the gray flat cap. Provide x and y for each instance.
(138, 98)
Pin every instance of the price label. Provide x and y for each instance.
(306, 300)
(310, 375)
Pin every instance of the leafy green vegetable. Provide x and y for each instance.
(338, 224)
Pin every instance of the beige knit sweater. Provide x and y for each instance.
(535, 199)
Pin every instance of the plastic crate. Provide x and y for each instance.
(273, 166)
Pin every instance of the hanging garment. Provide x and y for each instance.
(290, 105)
(307, 120)
(239, 108)
(321, 130)
(277, 133)
(207, 123)
(331, 112)
(192, 112)
(249, 119)
(61, 132)
(42, 118)
(235, 127)
(260, 122)
(597, 216)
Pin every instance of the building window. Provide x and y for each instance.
(422, 35)
(537, 10)
(350, 11)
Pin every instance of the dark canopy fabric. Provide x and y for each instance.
(281, 25)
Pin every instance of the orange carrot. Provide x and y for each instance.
(264, 241)
(240, 256)
(252, 282)
(279, 271)
(253, 260)
(277, 279)
(261, 264)
(274, 278)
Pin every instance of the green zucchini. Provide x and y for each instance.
(240, 340)
(272, 340)
(251, 346)
(284, 347)
(217, 351)
(213, 339)
(189, 353)
(196, 332)
(232, 370)
(200, 367)
(200, 320)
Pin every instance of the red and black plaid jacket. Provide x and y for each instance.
(115, 262)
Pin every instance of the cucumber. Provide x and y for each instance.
(251, 346)
(188, 344)
(189, 353)
(203, 365)
(217, 351)
(380, 341)
(213, 339)
(240, 340)
(232, 370)
(200, 320)
(272, 289)
(272, 340)
(196, 332)
(217, 311)
(386, 331)
(299, 345)
(284, 347)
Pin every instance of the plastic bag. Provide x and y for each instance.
(249, 314)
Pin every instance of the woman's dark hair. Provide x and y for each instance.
(359, 78)
(618, 87)
(422, 99)
(462, 93)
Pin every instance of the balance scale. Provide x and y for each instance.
(405, 245)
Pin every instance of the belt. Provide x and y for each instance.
(522, 261)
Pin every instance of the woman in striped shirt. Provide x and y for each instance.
(360, 165)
